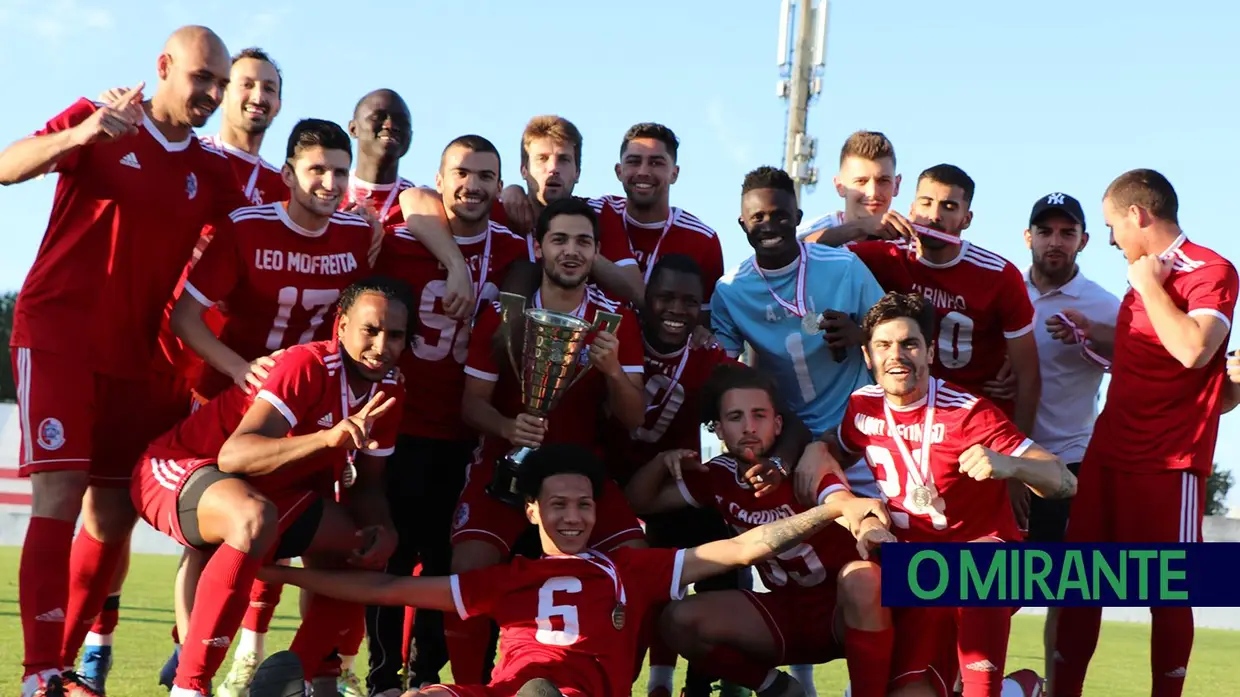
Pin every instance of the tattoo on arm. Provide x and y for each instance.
(783, 535)
(1067, 483)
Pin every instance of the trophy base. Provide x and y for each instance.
(503, 486)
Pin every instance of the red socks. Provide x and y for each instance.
(322, 632)
(1171, 642)
(264, 597)
(92, 566)
(223, 594)
(1076, 637)
(869, 660)
(982, 639)
(351, 642)
(468, 641)
(106, 620)
(43, 592)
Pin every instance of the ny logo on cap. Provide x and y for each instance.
(1054, 200)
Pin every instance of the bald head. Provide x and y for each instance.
(193, 72)
(382, 126)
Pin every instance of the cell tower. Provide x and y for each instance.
(802, 60)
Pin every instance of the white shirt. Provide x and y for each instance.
(1070, 381)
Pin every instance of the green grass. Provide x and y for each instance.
(1120, 668)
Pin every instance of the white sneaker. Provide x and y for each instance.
(237, 682)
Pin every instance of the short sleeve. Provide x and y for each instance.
(868, 290)
(614, 245)
(77, 112)
(295, 385)
(476, 593)
(818, 225)
(829, 485)
(632, 352)
(387, 427)
(986, 425)
(712, 269)
(218, 269)
(656, 573)
(509, 249)
(695, 488)
(1211, 290)
(727, 333)
(480, 362)
(850, 439)
(1014, 303)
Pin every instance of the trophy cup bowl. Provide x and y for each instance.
(552, 358)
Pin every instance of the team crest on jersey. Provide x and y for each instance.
(462, 516)
(191, 186)
(51, 434)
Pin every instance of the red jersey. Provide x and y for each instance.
(576, 417)
(555, 614)
(613, 244)
(980, 299)
(260, 182)
(384, 197)
(962, 509)
(278, 281)
(1159, 415)
(125, 218)
(815, 561)
(309, 386)
(681, 233)
(673, 409)
(436, 362)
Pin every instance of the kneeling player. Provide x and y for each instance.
(572, 617)
(742, 635)
(251, 477)
(950, 491)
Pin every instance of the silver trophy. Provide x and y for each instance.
(552, 360)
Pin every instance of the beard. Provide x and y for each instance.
(553, 274)
(1056, 270)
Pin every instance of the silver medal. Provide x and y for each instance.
(921, 497)
(809, 323)
(348, 476)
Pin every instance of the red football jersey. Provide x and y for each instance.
(384, 197)
(125, 218)
(814, 561)
(980, 298)
(681, 233)
(1160, 415)
(577, 417)
(555, 613)
(962, 509)
(278, 281)
(436, 362)
(260, 182)
(309, 386)
(613, 245)
(673, 409)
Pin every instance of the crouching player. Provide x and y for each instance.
(807, 617)
(249, 478)
(940, 455)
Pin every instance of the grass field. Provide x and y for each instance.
(1120, 668)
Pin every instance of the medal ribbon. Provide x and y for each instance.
(1079, 334)
(344, 400)
(672, 215)
(387, 203)
(936, 234)
(482, 271)
(919, 473)
(605, 564)
(684, 359)
(799, 308)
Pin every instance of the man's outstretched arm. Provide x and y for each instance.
(368, 587)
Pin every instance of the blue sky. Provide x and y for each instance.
(1028, 98)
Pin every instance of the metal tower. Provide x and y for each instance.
(802, 60)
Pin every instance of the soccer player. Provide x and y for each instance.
(1143, 478)
(1066, 305)
(484, 529)
(742, 635)
(572, 617)
(251, 101)
(868, 183)
(250, 476)
(951, 491)
(383, 129)
(135, 189)
(435, 445)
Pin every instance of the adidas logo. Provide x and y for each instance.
(326, 421)
(57, 615)
(982, 666)
(131, 160)
(1177, 673)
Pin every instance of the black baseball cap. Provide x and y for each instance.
(1058, 202)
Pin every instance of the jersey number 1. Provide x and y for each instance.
(955, 340)
(317, 302)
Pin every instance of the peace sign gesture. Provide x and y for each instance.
(118, 117)
(353, 433)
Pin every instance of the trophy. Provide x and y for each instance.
(552, 360)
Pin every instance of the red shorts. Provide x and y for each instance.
(156, 491)
(802, 620)
(480, 517)
(1118, 506)
(500, 690)
(77, 420)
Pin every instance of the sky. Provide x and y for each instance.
(1029, 99)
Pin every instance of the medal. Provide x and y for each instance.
(672, 215)
(809, 324)
(920, 495)
(349, 474)
(617, 617)
(798, 306)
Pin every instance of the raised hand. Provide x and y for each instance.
(676, 461)
(604, 353)
(117, 118)
(353, 433)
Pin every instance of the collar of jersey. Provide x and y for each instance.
(159, 137)
(964, 248)
(282, 213)
(910, 407)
